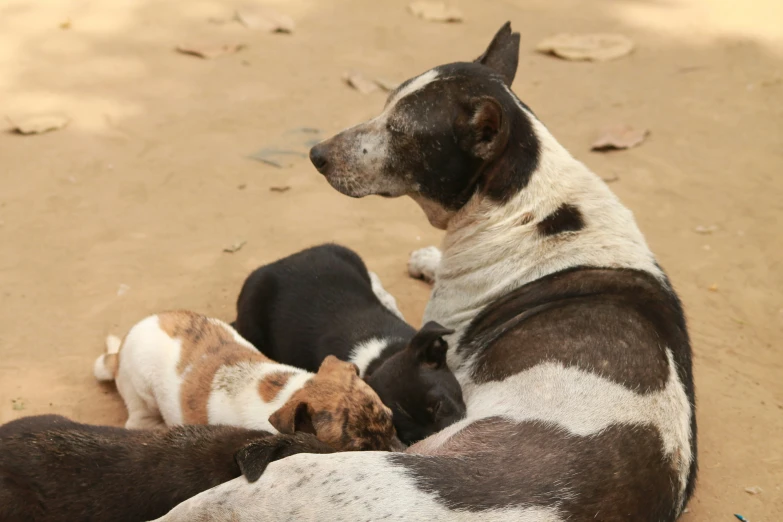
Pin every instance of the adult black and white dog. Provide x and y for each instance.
(569, 342)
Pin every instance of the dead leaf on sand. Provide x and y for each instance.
(279, 158)
(360, 82)
(753, 490)
(618, 137)
(235, 247)
(598, 47)
(208, 52)
(261, 18)
(284, 188)
(18, 404)
(366, 85)
(38, 123)
(705, 230)
(435, 12)
(386, 85)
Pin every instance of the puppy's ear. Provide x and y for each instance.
(293, 416)
(502, 55)
(428, 345)
(333, 364)
(256, 456)
(488, 128)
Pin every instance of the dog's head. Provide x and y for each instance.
(442, 137)
(416, 382)
(340, 409)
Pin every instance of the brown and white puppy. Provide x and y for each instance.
(55, 470)
(570, 343)
(184, 368)
(323, 301)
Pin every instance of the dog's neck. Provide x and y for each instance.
(491, 249)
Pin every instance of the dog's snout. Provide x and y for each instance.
(318, 157)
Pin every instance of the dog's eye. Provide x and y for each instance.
(433, 409)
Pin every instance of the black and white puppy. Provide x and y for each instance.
(55, 470)
(323, 301)
(570, 344)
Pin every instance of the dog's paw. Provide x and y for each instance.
(423, 263)
(256, 456)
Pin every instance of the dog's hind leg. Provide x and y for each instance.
(423, 263)
(384, 296)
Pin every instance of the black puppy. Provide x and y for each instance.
(53, 469)
(323, 301)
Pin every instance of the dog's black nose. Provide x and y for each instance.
(318, 157)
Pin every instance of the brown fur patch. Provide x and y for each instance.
(206, 347)
(271, 385)
(346, 413)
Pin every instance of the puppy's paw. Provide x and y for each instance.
(423, 263)
(256, 456)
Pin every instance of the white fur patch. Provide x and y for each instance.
(234, 400)
(585, 404)
(322, 487)
(414, 85)
(366, 352)
(383, 296)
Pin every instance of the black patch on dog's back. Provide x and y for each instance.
(611, 322)
(616, 475)
(567, 218)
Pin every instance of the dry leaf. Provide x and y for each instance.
(705, 230)
(283, 188)
(753, 490)
(360, 82)
(619, 137)
(277, 157)
(593, 47)
(611, 179)
(713, 287)
(66, 24)
(260, 18)
(435, 11)
(209, 51)
(234, 247)
(386, 85)
(18, 404)
(38, 124)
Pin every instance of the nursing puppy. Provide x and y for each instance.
(184, 368)
(55, 470)
(323, 301)
(570, 343)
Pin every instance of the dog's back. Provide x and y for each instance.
(53, 469)
(314, 303)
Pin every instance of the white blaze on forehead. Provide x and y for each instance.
(414, 85)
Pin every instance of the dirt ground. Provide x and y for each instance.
(127, 211)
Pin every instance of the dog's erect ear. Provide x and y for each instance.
(489, 130)
(428, 344)
(293, 416)
(502, 55)
(256, 456)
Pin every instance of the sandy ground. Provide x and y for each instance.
(127, 211)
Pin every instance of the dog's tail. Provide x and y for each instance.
(105, 368)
